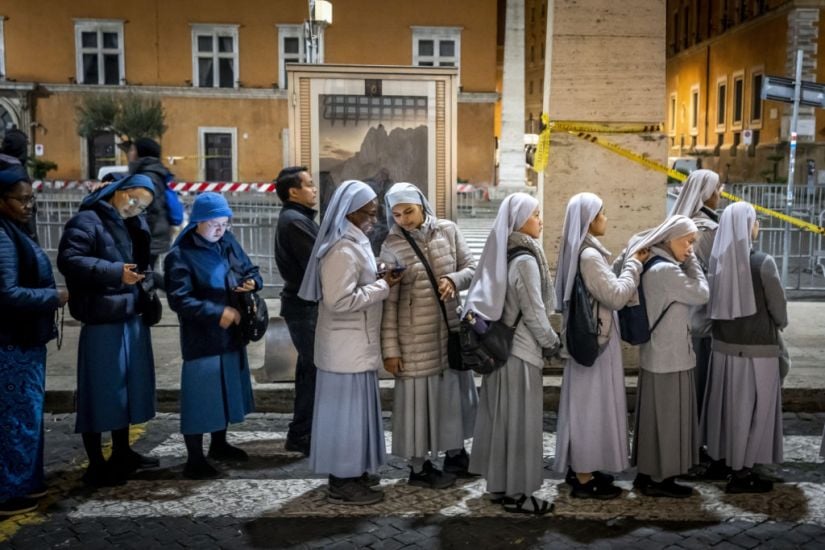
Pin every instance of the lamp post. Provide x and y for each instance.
(320, 17)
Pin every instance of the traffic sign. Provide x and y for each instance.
(778, 88)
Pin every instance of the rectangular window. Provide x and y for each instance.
(676, 41)
(101, 151)
(436, 46)
(694, 110)
(721, 99)
(290, 49)
(756, 98)
(672, 115)
(218, 152)
(738, 99)
(686, 31)
(215, 56)
(99, 52)
(2, 49)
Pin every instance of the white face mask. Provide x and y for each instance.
(212, 230)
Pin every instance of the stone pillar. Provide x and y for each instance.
(511, 147)
(608, 66)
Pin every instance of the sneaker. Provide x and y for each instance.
(602, 478)
(298, 445)
(102, 476)
(594, 489)
(200, 470)
(227, 452)
(369, 480)
(430, 477)
(749, 483)
(351, 491)
(129, 462)
(17, 505)
(458, 465)
(667, 488)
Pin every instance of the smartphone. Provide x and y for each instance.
(398, 270)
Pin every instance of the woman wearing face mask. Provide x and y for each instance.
(434, 408)
(104, 254)
(28, 298)
(592, 424)
(666, 436)
(204, 271)
(742, 418)
(507, 441)
(342, 275)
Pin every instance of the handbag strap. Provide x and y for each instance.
(430, 274)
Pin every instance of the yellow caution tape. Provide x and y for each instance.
(593, 127)
(653, 165)
(543, 148)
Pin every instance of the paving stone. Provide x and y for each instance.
(744, 540)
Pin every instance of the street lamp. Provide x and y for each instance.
(320, 17)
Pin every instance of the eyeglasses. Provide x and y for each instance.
(215, 225)
(25, 201)
(135, 203)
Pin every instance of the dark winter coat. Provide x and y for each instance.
(157, 215)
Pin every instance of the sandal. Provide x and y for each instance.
(538, 507)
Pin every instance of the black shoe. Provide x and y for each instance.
(749, 483)
(458, 465)
(352, 492)
(298, 445)
(604, 479)
(369, 480)
(126, 464)
(102, 476)
(594, 489)
(200, 470)
(431, 478)
(39, 492)
(667, 488)
(227, 452)
(17, 505)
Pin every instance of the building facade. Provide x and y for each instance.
(718, 54)
(219, 70)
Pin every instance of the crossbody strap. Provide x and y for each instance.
(650, 263)
(430, 274)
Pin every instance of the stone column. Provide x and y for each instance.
(511, 146)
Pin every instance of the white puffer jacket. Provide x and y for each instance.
(413, 327)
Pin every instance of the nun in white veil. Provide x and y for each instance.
(507, 441)
(742, 417)
(592, 423)
(666, 436)
(698, 200)
(347, 430)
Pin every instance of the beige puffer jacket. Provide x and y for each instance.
(412, 326)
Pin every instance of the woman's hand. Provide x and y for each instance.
(62, 297)
(130, 276)
(392, 278)
(642, 255)
(446, 289)
(393, 365)
(229, 317)
(247, 286)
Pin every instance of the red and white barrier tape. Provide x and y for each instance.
(200, 186)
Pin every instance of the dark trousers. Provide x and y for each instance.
(301, 317)
(701, 348)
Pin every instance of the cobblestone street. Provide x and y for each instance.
(274, 501)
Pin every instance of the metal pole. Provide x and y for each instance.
(792, 166)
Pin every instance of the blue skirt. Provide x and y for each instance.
(347, 430)
(22, 387)
(115, 376)
(215, 391)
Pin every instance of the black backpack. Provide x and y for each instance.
(582, 330)
(634, 325)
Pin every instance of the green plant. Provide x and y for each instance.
(40, 167)
(129, 116)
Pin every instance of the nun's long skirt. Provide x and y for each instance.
(215, 391)
(433, 413)
(666, 435)
(347, 430)
(507, 440)
(22, 389)
(822, 445)
(742, 419)
(592, 424)
(115, 376)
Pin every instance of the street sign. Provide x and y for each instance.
(747, 137)
(778, 88)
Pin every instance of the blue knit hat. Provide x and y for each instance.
(208, 206)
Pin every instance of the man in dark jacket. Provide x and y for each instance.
(294, 240)
(144, 158)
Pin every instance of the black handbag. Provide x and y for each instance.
(254, 316)
(582, 328)
(148, 303)
(454, 357)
